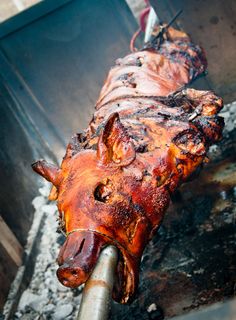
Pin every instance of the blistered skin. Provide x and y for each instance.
(154, 72)
(146, 137)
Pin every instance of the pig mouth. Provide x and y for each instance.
(78, 257)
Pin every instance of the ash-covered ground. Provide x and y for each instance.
(46, 298)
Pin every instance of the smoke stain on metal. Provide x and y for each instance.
(94, 283)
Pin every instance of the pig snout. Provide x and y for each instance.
(78, 257)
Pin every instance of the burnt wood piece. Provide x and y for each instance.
(10, 243)
(10, 258)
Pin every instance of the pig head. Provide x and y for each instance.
(103, 199)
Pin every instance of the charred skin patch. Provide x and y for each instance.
(190, 142)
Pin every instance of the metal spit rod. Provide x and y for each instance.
(151, 22)
(96, 299)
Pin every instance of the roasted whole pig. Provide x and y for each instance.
(147, 136)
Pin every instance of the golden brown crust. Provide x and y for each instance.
(145, 139)
(153, 72)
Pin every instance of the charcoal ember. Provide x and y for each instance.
(156, 314)
(62, 311)
(38, 202)
(27, 299)
(48, 309)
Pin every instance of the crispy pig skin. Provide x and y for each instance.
(115, 181)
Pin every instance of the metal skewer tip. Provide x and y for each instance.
(96, 299)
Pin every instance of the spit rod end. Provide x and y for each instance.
(96, 299)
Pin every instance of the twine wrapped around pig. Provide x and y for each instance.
(147, 136)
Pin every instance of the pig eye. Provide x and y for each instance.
(103, 191)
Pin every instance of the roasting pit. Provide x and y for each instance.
(189, 264)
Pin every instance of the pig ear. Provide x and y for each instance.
(114, 144)
(75, 145)
(49, 171)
